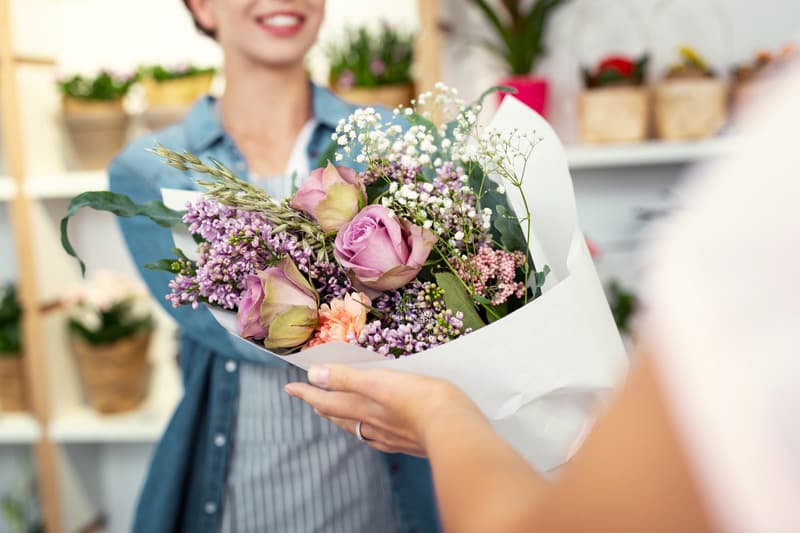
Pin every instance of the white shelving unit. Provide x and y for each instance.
(18, 428)
(647, 153)
(65, 185)
(8, 189)
(83, 425)
(580, 157)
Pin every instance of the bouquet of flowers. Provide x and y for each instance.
(418, 256)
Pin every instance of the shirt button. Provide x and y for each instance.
(394, 468)
(230, 367)
(210, 507)
(219, 440)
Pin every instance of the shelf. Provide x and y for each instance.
(83, 425)
(580, 157)
(649, 153)
(8, 189)
(18, 428)
(65, 185)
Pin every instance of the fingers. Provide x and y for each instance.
(377, 438)
(346, 379)
(332, 404)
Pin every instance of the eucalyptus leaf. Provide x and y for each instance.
(456, 299)
(120, 205)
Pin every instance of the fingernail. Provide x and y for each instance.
(318, 375)
(290, 391)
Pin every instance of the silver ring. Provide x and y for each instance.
(358, 433)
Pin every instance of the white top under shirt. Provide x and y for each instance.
(297, 169)
(723, 299)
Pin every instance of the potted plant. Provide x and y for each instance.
(170, 91)
(691, 102)
(110, 326)
(12, 383)
(373, 69)
(94, 115)
(520, 27)
(613, 107)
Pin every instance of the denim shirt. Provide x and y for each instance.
(185, 485)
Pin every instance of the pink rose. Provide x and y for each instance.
(382, 251)
(332, 195)
(250, 309)
(286, 305)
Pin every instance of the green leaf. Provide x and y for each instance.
(120, 205)
(328, 154)
(507, 226)
(456, 299)
(166, 265)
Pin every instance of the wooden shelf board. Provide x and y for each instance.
(18, 428)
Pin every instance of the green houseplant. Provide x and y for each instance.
(94, 115)
(110, 326)
(171, 90)
(175, 86)
(519, 29)
(373, 67)
(12, 389)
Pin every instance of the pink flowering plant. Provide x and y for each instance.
(410, 246)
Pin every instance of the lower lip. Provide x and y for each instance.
(282, 31)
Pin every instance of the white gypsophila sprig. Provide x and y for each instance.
(403, 139)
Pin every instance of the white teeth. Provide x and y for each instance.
(282, 21)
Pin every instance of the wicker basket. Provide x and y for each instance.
(12, 384)
(97, 128)
(114, 376)
(614, 114)
(389, 96)
(690, 108)
(177, 93)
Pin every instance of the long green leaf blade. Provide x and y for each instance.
(120, 205)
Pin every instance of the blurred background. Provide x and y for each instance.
(637, 89)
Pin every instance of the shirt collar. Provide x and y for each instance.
(204, 126)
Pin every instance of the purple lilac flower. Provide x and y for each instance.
(415, 318)
(238, 243)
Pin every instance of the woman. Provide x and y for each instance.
(237, 455)
(705, 436)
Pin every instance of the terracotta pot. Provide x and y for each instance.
(614, 114)
(180, 92)
(97, 128)
(389, 96)
(690, 108)
(115, 375)
(12, 383)
(531, 91)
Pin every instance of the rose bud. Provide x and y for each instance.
(331, 195)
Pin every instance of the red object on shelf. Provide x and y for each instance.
(531, 91)
(621, 64)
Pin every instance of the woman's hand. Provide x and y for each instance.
(396, 409)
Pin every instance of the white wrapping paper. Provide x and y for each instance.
(540, 373)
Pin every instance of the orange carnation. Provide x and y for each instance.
(342, 320)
